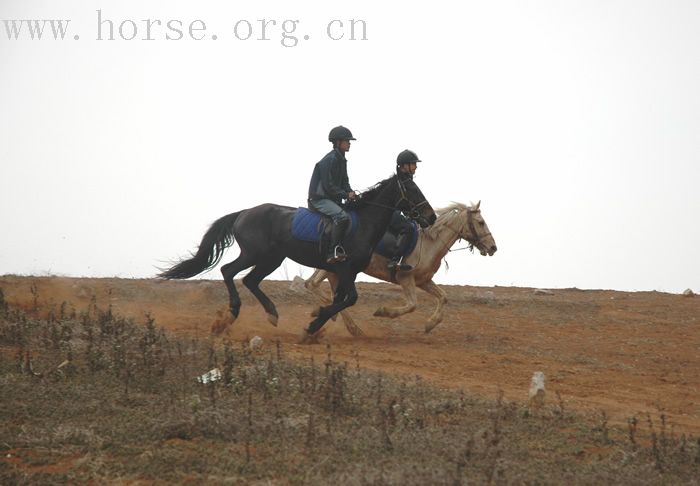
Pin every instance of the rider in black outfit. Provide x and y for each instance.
(329, 186)
(400, 226)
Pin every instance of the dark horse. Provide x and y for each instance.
(265, 238)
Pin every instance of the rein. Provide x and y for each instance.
(414, 208)
(472, 229)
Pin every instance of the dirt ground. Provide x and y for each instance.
(624, 353)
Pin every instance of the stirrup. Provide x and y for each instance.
(399, 264)
(338, 255)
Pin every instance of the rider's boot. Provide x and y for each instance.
(396, 262)
(336, 252)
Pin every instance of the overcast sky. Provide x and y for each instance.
(576, 123)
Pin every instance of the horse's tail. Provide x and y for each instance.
(214, 243)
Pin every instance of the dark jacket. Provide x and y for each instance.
(330, 178)
(400, 223)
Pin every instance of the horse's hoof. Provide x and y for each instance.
(307, 338)
(273, 319)
(315, 312)
(430, 326)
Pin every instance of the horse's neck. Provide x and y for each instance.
(435, 245)
(380, 209)
(377, 218)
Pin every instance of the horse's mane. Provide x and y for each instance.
(451, 216)
(372, 190)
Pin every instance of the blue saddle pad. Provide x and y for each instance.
(307, 225)
(390, 239)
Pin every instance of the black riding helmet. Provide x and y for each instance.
(340, 133)
(407, 157)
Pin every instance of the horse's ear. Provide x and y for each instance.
(478, 204)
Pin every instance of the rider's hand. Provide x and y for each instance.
(352, 196)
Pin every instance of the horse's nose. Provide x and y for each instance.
(494, 249)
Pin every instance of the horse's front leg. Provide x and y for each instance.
(441, 298)
(349, 322)
(408, 284)
(313, 285)
(345, 296)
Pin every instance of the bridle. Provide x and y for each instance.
(472, 229)
(414, 209)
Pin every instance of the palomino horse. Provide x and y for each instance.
(265, 239)
(454, 222)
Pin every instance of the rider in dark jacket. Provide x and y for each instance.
(400, 226)
(329, 186)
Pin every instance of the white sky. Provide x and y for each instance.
(576, 123)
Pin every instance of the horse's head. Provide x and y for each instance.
(476, 231)
(413, 203)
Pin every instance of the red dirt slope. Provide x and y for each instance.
(624, 353)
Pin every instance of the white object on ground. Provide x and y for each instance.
(256, 343)
(537, 390)
(210, 376)
(543, 292)
(297, 285)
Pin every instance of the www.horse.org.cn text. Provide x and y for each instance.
(108, 28)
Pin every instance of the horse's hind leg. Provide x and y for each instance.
(441, 298)
(313, 284)
(229, 271)
(252, 281)
(409, 291)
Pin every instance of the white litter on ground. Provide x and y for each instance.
(537, 390)
(256, 343)
(543, 292)
(210, 376)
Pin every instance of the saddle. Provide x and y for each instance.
(314, 227)
(388, 243)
